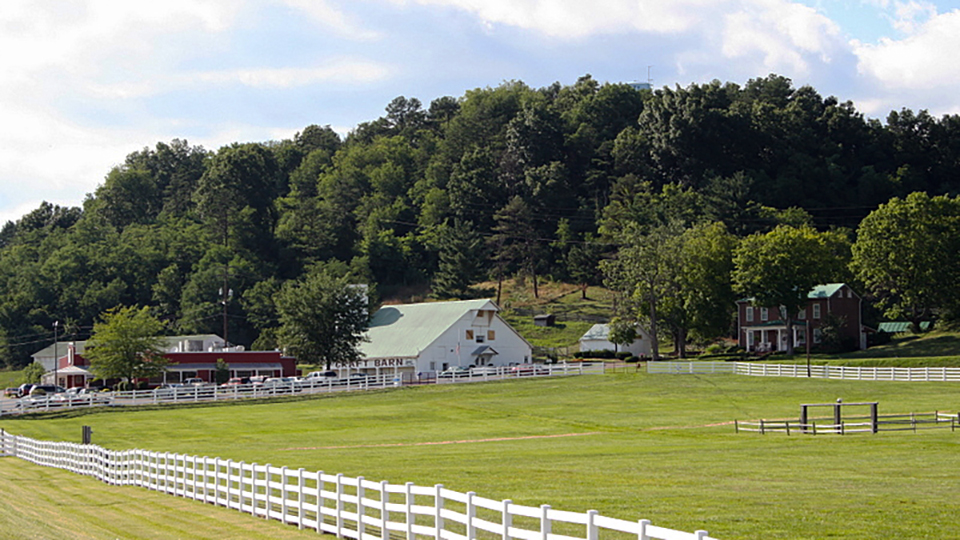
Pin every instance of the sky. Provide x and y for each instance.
(86, 82)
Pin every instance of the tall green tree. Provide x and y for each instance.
(126, 344)
(322, 318)
(907, 253)
(779, 268)
(461, 256)
(644, 274)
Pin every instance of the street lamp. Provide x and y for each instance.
(56, 356)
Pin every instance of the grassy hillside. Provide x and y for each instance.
(575, 315)
(646, 446)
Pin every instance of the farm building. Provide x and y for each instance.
(598, 339)
(425, 338)
(189, 357)
(762, 328)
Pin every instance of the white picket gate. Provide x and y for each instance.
(348, 507)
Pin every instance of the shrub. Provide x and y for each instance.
(631, 359)
(623, 355)
(713, 348)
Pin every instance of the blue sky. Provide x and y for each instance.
(89, 81)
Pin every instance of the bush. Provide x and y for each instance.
(623, 355)
(713, 348)
(631, 359)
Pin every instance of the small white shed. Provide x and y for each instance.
(598, 339)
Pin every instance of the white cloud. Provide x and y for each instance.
(783, 33)
(330, 17)
(924, 60)
(576, 18)
(766, 35)
(346, 71)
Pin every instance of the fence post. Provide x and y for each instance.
(300, 488)
(283, 494)
(340, 505)
(506, 519)
(544, 521)
(361, 510)
(701, 535)
(266, 491)
(319, 501)
(438, 507)
(471, 515)
(592, 532)
(384, 515)
(644, 523)
(408, 503)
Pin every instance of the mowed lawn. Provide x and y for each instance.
(629, 445)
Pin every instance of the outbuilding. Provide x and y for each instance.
(598, 339)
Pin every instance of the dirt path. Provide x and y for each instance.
(434, 443)
(494, 439)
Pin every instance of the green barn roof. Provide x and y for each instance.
(404, 331)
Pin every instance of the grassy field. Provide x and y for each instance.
(645, 446)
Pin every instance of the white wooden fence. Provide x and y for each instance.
(943, 374)
(188, 394)
(347, 507)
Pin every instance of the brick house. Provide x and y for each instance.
(762, 329)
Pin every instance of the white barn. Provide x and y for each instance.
(598, 339)
(426, 338)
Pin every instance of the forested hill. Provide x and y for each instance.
(450, 194)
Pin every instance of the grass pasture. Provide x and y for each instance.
(629, 445)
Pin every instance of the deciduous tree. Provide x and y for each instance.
(322, 318)
(126, 344)
(907, 253)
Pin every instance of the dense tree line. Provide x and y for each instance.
(500, 181)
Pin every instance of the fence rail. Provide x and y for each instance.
(189, 394)
(354, 508)
(755, 369)
(854, 424)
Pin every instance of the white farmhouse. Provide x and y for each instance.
(411, 339)
(598, 339)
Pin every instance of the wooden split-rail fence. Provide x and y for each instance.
(864, 424)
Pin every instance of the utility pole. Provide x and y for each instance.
(225, 295)
(56, 355)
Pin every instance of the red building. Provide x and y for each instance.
(763, 329)
(73, 369)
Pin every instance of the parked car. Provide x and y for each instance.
(24, 390)
(195, 381)
(454, 372)
(236, 381)
(11, 392)
(79, 395)
(282, 384)
(321, 375)
(46, 389)
(525, 370)
(169, 389)
(481, 371)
